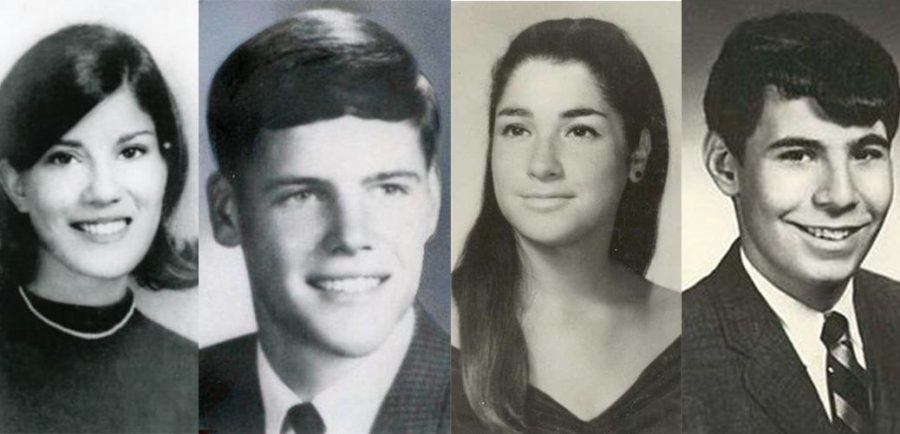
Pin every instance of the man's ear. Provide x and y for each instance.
(223, 211)
(12, 185)
(434, 199)
(637, 162)
(721, 164)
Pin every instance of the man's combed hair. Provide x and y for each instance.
(487, 279)
(816, 55)
(48, 91)
(317, 65)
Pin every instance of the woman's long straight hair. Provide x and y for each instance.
(488, 278)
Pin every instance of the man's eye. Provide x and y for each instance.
(514, 131)
(133, 152)
(393, 189)
(581, 131)
(60, 158)
(871, 153)
(797, 155)
(301, 196)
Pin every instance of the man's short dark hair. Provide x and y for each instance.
(317, 65)
(821, 56)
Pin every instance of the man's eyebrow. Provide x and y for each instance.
(127, 137)
(288, 181)
(384, 176)
(581, 111)
(795, 142)
(514, 111)
(872, 139)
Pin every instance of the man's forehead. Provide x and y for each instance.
(804, 118)
(346, 147)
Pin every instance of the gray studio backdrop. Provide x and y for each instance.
(424, 27)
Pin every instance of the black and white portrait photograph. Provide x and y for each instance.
(325, 278)
(565, 214)
(98, 236)
(792, 312)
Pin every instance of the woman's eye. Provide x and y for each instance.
(60, 158)
(581, 131)
(133, 152)
(514, 131)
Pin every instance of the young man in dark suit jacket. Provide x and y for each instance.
(788, 334)
(324, 130)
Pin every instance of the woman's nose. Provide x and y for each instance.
(544, 163)
(104, 186)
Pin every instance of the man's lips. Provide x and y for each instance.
(102, 226)
(348, 283)
(830, 233)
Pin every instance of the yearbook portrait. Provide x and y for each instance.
(790, 319)
(98, 236)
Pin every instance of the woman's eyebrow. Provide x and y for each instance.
(126, 137)
(514, 111)
(581, 111)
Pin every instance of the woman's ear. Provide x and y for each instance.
(223, 212)
(721, 164)
(637, 162)
(12, 185)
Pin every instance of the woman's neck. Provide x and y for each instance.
(56, 282)
(578, 273)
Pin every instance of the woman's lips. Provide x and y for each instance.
(545, 202)
(103, 230)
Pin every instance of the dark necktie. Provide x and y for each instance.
(848, 382)
(304, 419)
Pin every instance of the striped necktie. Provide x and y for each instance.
(304, 419)
(848, 382)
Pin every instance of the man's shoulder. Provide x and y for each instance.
(883, 286)
(224, 364)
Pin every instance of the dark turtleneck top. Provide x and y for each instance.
(141, 378)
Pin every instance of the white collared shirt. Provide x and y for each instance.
(803, 326)
(351, 404)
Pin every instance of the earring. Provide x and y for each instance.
(637, 175)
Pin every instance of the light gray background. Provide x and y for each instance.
(168, 28)
(709, 224)
(424, 27)
(481, 33)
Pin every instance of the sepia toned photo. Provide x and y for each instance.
(98, 250)
(325, 129)
(565, 137)
(792, 316)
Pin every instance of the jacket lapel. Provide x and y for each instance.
(879, 322)
(773, 373)
(419, 398)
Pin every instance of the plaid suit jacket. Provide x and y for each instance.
(417, 402)
(741, 374)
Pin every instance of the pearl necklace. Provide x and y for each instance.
(76, 333)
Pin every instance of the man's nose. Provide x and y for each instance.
(544, 163)
(837, 190)
(349, 230)
(104, 186)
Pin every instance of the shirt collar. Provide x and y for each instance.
(351, 404)
(799, 319)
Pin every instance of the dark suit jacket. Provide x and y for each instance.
(417, 402)
(741, 373)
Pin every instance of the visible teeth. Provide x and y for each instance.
(355, 284)
(105, 228)
(829, 234)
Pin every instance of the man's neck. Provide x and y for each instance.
(308, 369)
